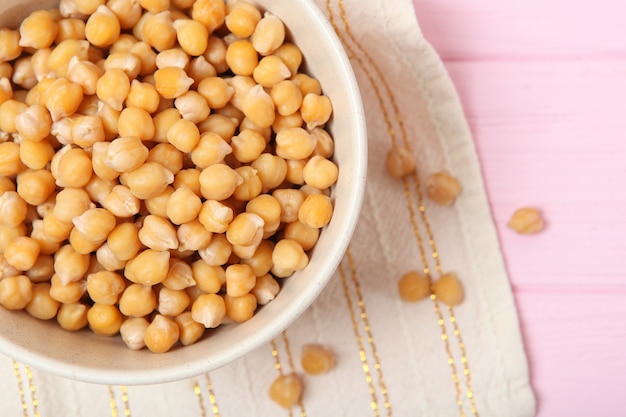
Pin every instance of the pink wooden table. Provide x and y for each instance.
(543, 84)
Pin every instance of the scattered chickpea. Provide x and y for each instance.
(316, 359)
(414, 286)
(400, 162)
(527, 220)
(442, 188)
(448, 289)
(286, 390)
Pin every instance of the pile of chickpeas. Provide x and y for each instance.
(163, 165)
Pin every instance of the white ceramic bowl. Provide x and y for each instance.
(91, 358)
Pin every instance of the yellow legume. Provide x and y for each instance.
(147, 56)
(69, 265)
(22, 253)
(36, 155)
(305, 235)
(73, 167)
(72, 316)
(258, 106)
(270, 71)
(269, 34)
(240, 280)
(265, 289)
(136, 122)
(161, 334)
(190, 330)
(127, 12)
(251, 185)
(218, 251)
(87, 7)
(171, 303)
(143, 95)
(71, 203)
(295, 171)
(210, 149)
(102, 28)
(218, 181)
(211, 13)
(133, 331)
(15, 292)
(240, 308)
(107, 259)
(157, 205)
(192, 36)
(13, 209)
(149, 267)
(63, 98)
(158, 30)
(413, 286)
(23, 75)
(11, 49)
(242, 19)
(41, 271)
(137, 300)
(95, 224)
(38, 30)
(172, 82)
(442, 188)
(67, 293)
(526, 220)
(121, 202)
(124, 241)
(158, 234)
(113, 88)
(289, 255)
(149, 180)
(179, 276)
(54, 229)
(286, 390)
(105, 287)
(104, 319)
(241, 57)
(448, 289)
(316, 359)
(80, 244)
(209, 310)
(199, 69)
(400, 162)
(316, 210)
(290, 201)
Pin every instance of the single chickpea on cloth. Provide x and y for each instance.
(163, 166)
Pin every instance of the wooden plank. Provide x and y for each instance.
(551, 134)
(533, 29)
(574, 343)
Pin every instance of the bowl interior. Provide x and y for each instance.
(87, 357)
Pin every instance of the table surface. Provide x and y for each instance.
(543, 86)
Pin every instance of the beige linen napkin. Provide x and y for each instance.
(392, 357)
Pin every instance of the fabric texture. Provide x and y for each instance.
(392, 357)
